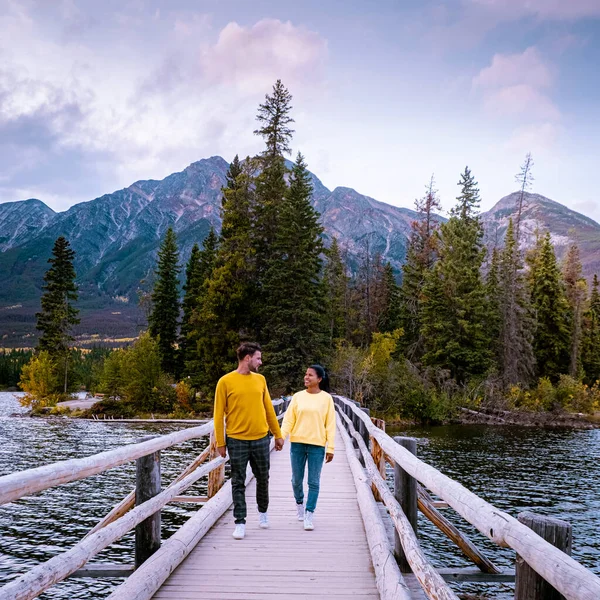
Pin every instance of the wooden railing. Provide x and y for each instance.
(144, 517)
(536, 557)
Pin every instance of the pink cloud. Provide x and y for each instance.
(518, 84)
(252, 58)
(514, 69)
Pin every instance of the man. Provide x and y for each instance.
(242, 399)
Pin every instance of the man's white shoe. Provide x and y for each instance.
(263, 520)
(308, 521)
(239, 531)
(300, 511)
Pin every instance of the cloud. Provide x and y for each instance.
(252, 58)
(104, 118)
(517, 85)
(558, 10)
(536, 138)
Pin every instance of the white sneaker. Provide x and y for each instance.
(308, 521)
(300, 511)
(239, 531)
(263, 520)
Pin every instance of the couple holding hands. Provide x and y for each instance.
(243, 416)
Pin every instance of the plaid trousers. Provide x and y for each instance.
(256, 452)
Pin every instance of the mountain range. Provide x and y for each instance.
(116, 239)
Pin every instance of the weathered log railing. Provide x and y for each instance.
(145, 517)
(538, 557)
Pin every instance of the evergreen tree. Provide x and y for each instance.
(524, 178)
(455, 312)
(58, 315)
(469, 200)
(576, 292)
(294, 295)
(227, 315)
(420, 257)
(199, 270)
(517, 361)
(273, 117)
(551, 310)
(191, 291)
(163, 320)
(389, 319)
(335, 282)
(591, 336)
(494, 320)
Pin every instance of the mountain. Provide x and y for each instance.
(540, 214)
(116, 238)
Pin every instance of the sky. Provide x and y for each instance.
(97, 95)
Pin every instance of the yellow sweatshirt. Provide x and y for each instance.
(243, 401)
(310, 419)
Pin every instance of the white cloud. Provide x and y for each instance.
(136, 114)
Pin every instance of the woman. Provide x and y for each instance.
(310, 423)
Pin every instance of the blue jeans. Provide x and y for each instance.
(300, 455)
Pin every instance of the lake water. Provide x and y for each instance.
(552, 472)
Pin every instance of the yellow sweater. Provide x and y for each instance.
(310, 419)
(243, 401)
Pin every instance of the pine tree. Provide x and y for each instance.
(273, 117)
(191, 289)
(590, 355)
(551, 311)
(389, 319)
(420, 257)
(227, 312)
(294, 295)
(199, 270)
(517, 361)
(454, 308)
(524, 178)
(58, 315)
(494, 319)
(576, 292)
(163, 320)
(335, 282)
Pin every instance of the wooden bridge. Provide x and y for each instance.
(364, 545)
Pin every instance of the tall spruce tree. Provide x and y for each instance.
(58, 315)
(389, 319)
(294, 294)
(270, 186)
(494, 319)
(525, 179)
(551, 312)
(591, 336)
(229, 309)
(191, 289)
(454, 307)
(335, 282)
(200, 269)
(517, 361)
(164, 318)
(420, 257)
(576, 292)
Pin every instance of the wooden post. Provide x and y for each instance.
(216, 478)
(405, 492)
(529, 585)
(378, 456)
(147, 485)
(363, 428)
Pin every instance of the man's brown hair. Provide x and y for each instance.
(247, 349)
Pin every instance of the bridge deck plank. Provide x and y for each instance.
(284, 560)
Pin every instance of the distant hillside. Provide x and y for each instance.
(116, 239)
